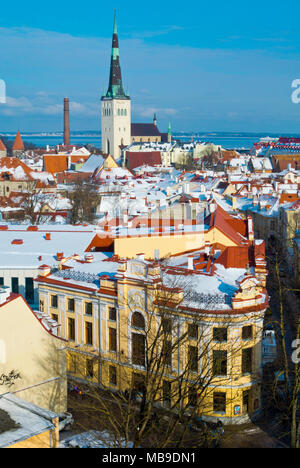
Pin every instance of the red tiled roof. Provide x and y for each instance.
(59, 163)
(281, 162)
(139, 158)
(288, 197)
(234, 228)
(2, 146)
(10, 164)
(100, 243)
(234, 257)
(18, 143)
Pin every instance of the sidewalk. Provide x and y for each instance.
(248, 436)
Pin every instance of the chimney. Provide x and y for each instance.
(191, 262)
(207, 248)
(66, 122)
(250, 228)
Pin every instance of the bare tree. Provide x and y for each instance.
(209, 158)
(33, 204)
(84, 199)
(284, 386)
(167, 384)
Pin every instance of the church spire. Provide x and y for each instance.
(115, 87)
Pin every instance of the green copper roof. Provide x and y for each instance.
(115, 23)
(115, 86)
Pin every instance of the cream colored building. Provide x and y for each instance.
(29, 346)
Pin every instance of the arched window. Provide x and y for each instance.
(118, 111)
(138, 340)
(137, 320)
(125, 112)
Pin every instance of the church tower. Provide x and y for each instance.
(115, 106)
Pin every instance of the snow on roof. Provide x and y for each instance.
(91, 164)
(67, 239)
(198, 289)
(30, 419)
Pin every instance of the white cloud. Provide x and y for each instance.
(149, 111)
(41, 104)
(198, 87)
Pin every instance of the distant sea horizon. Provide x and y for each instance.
(228, 140)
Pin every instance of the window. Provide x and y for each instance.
(137, 320)
(89, 368)
(89, 333)
(167, 352)
(219, 362)
(220, 334)
(71, 329)
(112, 313)
(138, 349)
(71, 305)
(88, 308)
(192, 396)
(41, 307)
(1, 281)
(112, 339)
(167, 393)
(113, 375)
(54, 302)
(246, 395)
(219, 402)
(15, 285)
(193, 358)
(166, 325)
(29, 290)
(54, 317)
(138, 382)
(247, 332)
(247, 361)
(193, 331)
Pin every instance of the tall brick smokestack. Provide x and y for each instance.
(66, 122)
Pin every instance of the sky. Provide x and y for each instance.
(203, 66)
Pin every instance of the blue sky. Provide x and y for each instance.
(207, 66)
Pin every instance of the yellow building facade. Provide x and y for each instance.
(113, 329)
